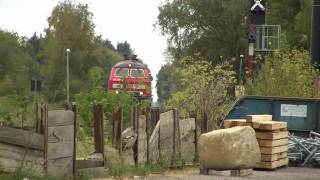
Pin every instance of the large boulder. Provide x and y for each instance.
(232, 148)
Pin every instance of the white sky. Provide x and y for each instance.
(116, 20)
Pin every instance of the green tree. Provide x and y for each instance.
(124, 48)
(14, 79)
(106, 42)
(205, 88)
(209, 28)
(14, 76)
(106, 57)
(167, 83)
(294, 18)
(69, 26)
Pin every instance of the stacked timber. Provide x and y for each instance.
(235, 122)
(272, 137)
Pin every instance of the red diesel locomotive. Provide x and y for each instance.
(131, 75)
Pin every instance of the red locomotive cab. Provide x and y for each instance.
(131, 75)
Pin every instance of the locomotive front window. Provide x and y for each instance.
(122, 72)
(137, 73)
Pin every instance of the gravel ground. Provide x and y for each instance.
(290, 173)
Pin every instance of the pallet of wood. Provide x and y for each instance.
(234, 172)
(272, 137)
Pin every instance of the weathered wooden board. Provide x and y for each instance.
(142, 151)
(188, 148)
(22, 138)
(259, 118)
(153, 144)
(60, 150)
(274, 157)
(272, 143)
(274, 164)
(166, 127)
(167, 115)
(60, 167)
(11, 165)
(142, 122)
(97, 172)
(60, 133)
(187, 125)
(166, 149)
(234, 122)
(142, 140)
(273, 150)
(60, 118)
(21, 154)
(269, 125)
(271, 135)
(82, 164)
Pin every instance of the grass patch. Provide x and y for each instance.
(141, 170)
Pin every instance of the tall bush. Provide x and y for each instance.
(205, 88)
(288, 73)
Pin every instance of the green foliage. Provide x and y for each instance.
(211, 28)
(289, 73)
(123, 170)
(204, 88)
(294, 18)
(167, 83)
(70, 26)
(109, 100)
(14, 76)
(15, 97)
(124, 48)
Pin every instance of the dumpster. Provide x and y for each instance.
(301, 114)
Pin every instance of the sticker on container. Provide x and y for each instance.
(294, 110)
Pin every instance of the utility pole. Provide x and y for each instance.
(257, 17)
(315, 34)
(68, 83)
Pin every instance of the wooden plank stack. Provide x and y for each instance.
(272, 137)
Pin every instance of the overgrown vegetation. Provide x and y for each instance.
(43, 57)
(289, 73)
(124, 170)
(109, 101)
(204, 88)
(215, 30)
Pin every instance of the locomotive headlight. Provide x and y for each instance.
(141, 93)
(129, 65)
(117, 92)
